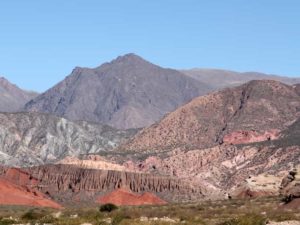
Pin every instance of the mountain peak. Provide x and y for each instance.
(8, 86)
(128, 92)
(128, 58)
(4, 81)
(12, 97)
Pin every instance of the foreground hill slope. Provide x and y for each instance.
(34, 138)
(243, 170)
(258, 108)
(12, 98)
(128, 92)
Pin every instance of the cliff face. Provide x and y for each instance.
(28, 139)
(66, 183)
(258, 107)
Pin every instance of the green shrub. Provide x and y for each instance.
(287, 199)
(32, 215)
(108, 207)
(6, 221)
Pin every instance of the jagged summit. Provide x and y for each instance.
(130, 57)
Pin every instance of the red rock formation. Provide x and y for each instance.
(12, 194)
(19, 177)
(66, 183)
(244, 137)
(126, 197)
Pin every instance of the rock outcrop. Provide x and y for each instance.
(28, 139)
(290, 189)
(128, 92)
(93, 162)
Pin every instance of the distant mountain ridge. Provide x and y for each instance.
(218, 79)
(128, 92)
(12, 98)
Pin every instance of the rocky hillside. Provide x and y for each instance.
(12, 98)
(219, 79)
(255, 111)
(34, 138)
(128, 92)
(251, 169)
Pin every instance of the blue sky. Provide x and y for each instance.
(42, 41)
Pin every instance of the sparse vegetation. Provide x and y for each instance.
(248, 219)
(6, 221)
(227, 212)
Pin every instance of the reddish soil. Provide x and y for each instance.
(124, 197)
(19, 177)
(244, 137)
(12, 194)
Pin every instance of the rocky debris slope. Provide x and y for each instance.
(12, 98)
(126, 197)
(128, 92)
(33, 138)
(219, 79)
(262, 108)
(12, 194)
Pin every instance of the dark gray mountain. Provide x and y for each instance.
(34, 138)
(128, 92)
(219, 79)
(12, 98)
